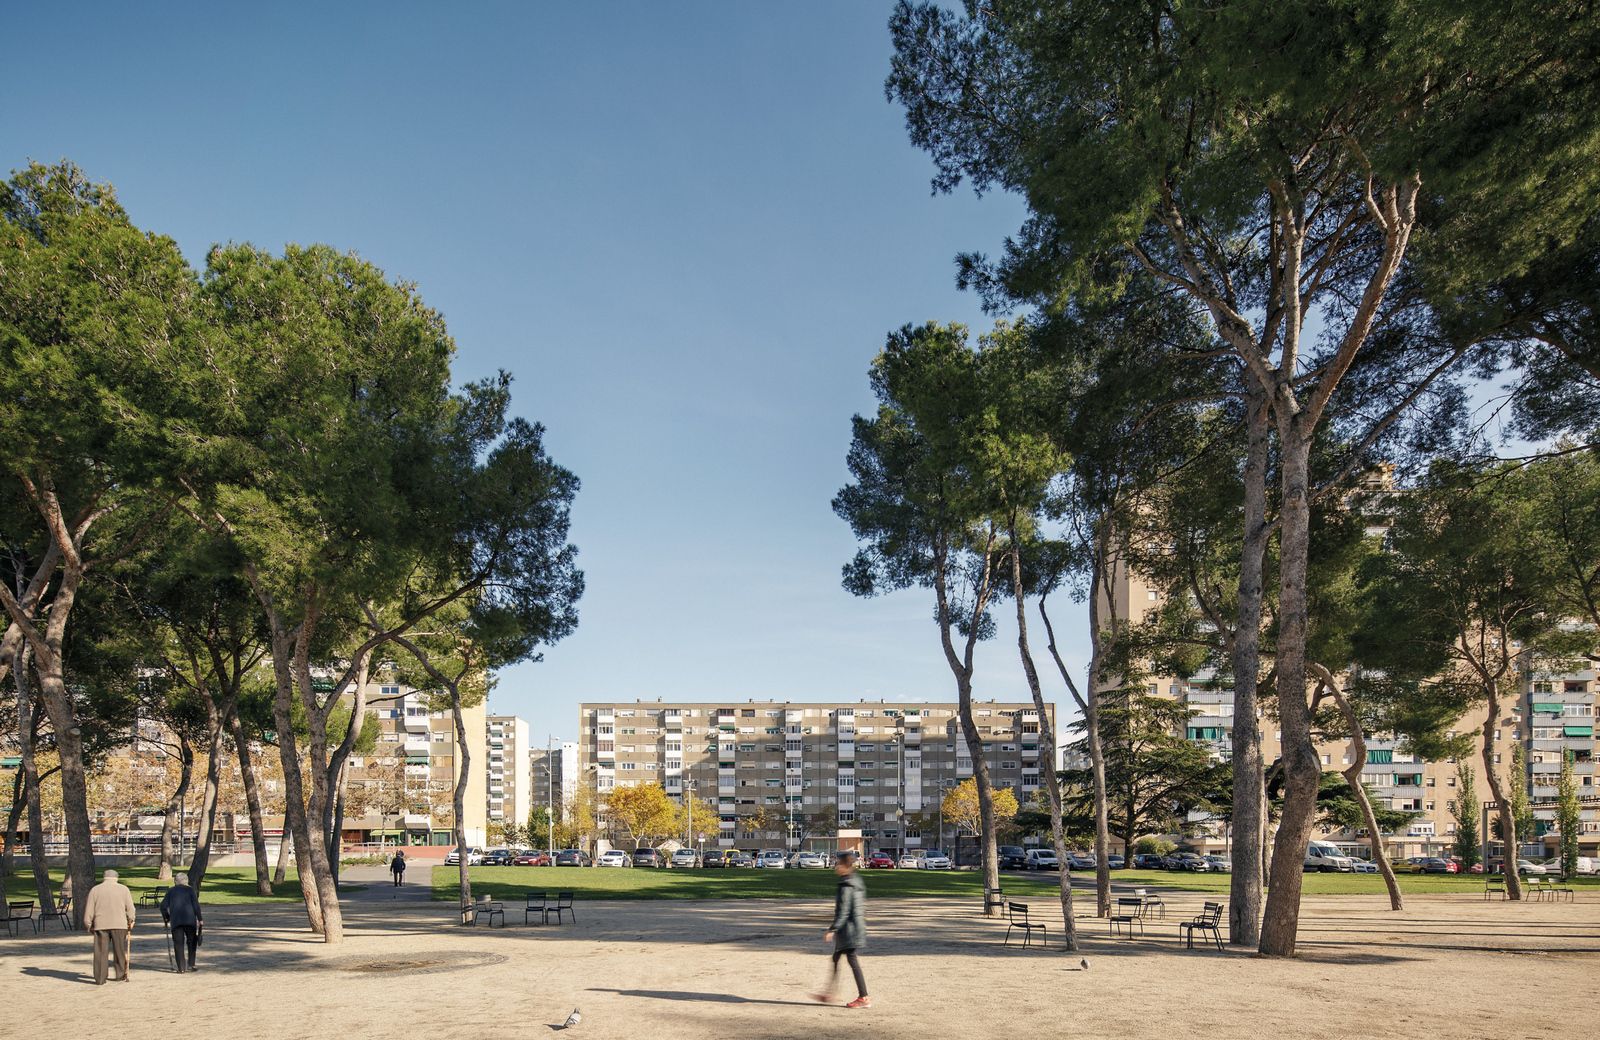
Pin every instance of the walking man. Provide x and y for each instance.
(108, 914)
(397, 867)
(180, 909)
(849, 930)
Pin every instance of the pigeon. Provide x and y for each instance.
(1083, 965)
(572, 1019)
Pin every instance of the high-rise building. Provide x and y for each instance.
(795, 772)
(509, 782)
(555, 764)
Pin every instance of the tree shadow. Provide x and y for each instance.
(65, 976)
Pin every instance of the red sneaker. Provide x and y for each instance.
(860, 1002)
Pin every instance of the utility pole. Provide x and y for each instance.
(550, 793)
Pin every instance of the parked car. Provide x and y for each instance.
(1526, 866)
(1364, 866)
(1586, 865)
(933, 859)
(1409, 865)
(1114, 861)
(572, 858)
(880, 861)
(474, 856)
(1192, 862)
(648, 858)
(616, 858)
(810, 860)
(1042, 859)
(738, 858)
(500, 857)
(1220, 864)
(685, 858)
(1439, 865)
(911, 859)
(1149, 861)
(716, 858)
(772, 859)
(1172, 861)
(1080, 861)
(1324, 857)
(532, 858)
(1013, 857)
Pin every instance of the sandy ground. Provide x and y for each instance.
(1446, 966)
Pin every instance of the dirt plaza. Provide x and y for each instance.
(1449, 965)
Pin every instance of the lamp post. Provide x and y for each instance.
(550, 794)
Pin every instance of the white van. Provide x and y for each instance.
(1321, 856)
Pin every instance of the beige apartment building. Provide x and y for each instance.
(554, 775)
(508, 770)
(1553, 713)
(798, 773)
(405, 787)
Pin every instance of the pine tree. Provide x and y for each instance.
(1466, 814)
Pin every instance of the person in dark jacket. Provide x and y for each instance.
(848, 932)
(397, 867)
(180, 909)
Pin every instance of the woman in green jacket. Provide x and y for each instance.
(849, 930)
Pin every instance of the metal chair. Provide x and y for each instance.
(1208, 920)
(993, 898)
(1017, 914)
(535, 905)
(563, 906)
(1130, 912)
(62, 913)
(18, 912)
(1149, 902)
(1492, 885)
(491, 909)
(1534, 888)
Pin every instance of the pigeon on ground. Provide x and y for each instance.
(572, 1019)
(1083, 965)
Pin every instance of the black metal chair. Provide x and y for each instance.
(993, 898)
(62, 913)
(1129, 912)
(18, 912)
(1017, 914)
(563, 906)
(1209, 920)
(491, 909)
(535, 905)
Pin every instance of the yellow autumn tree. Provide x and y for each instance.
(643, 813)
(961, 806)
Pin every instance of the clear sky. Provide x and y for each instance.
(684, 228)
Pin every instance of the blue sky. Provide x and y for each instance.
(685, 228)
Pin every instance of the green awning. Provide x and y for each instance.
(1547, 708)
(1380, 756)
(1579, 731)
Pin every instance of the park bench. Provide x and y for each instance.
(62, 913)
(993, 899)
(1491, 885)
(1208, 920)
(18, 912)
(1129, 912)
(1148, 903)
(1017, 914)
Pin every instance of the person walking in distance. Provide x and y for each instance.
(108, 916)
(848, 932)
(180, 909)
(397, 867)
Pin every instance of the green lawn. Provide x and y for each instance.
(512, 883)
(223, 885)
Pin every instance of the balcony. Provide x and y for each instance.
(418, 722)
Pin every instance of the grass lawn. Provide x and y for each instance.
(223, 885)
(1323, 884)
(512, 883)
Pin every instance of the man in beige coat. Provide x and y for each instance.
(108, 914)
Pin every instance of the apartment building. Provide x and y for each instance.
(799, 772)
(404, 788)
(508, 770)
(1553, 713)
(554, 766)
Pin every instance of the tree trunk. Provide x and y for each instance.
(252, 799)
(1352, 777)
(74, 787)
(295, 824)
(285, 849)
(29, 776)
(1508, 826)
(313, 813)
(8, 858)
(1302, 768)
(208, 800)
(1047, 740)
(459, 798)
(336, 822)
(1249, 769)
(174, 809)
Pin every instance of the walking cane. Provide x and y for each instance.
(166, 929)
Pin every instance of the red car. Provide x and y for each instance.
(881, 860)
(531, 859)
